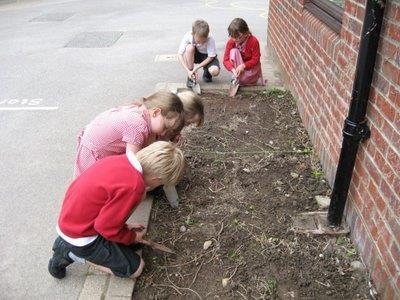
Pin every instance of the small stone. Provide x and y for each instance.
(279, 182)
(225, 282)
(287, 195)
(323, 201)
(246, 170)
(247, 131)
(182, 228)
(357, 265)
(294, 175)
(207, 244)
(271, 142)
(321, 255)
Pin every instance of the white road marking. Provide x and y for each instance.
(30, 108)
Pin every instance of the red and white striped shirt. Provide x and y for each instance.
(109, 133)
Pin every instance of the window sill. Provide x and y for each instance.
(323, 16)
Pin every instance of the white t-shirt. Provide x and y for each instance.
(208, 47)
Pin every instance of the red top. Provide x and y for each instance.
(250, 55)
(101, 199)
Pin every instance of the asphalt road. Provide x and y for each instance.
(50, 88)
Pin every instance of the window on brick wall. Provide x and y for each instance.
(328, 11)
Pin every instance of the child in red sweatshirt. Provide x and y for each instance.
(92, 223)
(242, 54)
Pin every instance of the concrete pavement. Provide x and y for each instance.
(62, 63)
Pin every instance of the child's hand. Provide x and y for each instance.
(240, 69)
(139, 237)
(135, 227)
(192, 74)
(234, 72)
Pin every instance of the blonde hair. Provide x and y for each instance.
(192, 106)
(170, 105)
(200, 28)
(164, 160)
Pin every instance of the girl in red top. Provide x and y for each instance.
(242, 54)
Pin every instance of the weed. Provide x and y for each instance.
(275, 92)
(189, 221)
(350, 252)
(232, 254)
(341, 240)
(270, 286)
(306, 151)
(317, 173)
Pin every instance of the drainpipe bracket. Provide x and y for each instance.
(356, 131)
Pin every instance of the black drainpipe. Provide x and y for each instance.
(355, 128)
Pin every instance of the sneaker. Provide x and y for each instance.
(189, 83)
(207, 77)
(60, 260)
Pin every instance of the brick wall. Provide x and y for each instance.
(320, 67)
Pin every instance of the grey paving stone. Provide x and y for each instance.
(52, 17)
(119, 288)
(99, 39)
(94, 287)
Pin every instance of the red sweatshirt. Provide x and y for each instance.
(101, 199)
(251, 54)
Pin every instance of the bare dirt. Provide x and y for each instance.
(250, 171)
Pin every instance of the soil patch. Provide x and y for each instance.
(250, 171)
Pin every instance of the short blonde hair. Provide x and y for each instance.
(200, 28)
(192, 106)
(170, 105)
(164, 160)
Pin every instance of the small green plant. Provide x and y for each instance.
(189, 221)
(270, 286)
(275, 92)
(306, 151)
(350, 252)
(236, 221)
(232, 254)
(341, 240)
(317, 173)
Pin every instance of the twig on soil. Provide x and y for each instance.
(167, 285)
(240, 140)
(241, 295)
(324, 284)
(268, 145)
(181, 288)
(195, 276)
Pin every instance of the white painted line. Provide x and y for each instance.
(30, 108)
(166, 57)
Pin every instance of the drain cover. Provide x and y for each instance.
(99, 39)
(52, 17)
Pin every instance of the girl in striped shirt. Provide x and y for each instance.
(128, 128)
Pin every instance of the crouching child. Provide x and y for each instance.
(92, 223)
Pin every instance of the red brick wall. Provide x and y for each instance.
(320, 67)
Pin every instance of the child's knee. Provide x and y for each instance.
(190, 49)
(139, 270)
(234, 51)
(214, 70)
